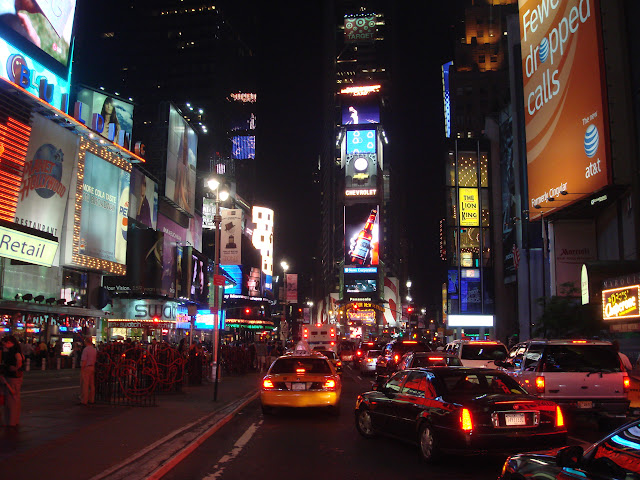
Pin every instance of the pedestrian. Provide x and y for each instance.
(623, 358)
(261, 353)
(88, 373)
(11, 380)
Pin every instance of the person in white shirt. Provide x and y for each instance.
(87, 372)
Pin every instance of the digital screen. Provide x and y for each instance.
(361, 286)
(235, 272)
(446, 98)
(143, 199)
(192, 275)
(361, 141)
(116, 115)
(243, 121)
(361, 230)
(47, 24)
(243, 147)
(360, 29)
(358, 113)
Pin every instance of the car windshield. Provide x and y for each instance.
(623, 449)
(483, 352)
(474, 383)
(328, 353)
(581, 358)
(300, 365)
(373, 353)
(430, 361)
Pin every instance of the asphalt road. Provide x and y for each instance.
(314, 445)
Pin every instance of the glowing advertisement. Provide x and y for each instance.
(469, 207)
(621, 303)
(446, 98)
(174, 236)
(358, 112)
(110, 116)
(243, 147)
(360, 29)
(565, 108)
(361, 141)
(235, 272)
(243, 121)
(292, 287)
(50, 160)
(262, 237)
(230, 237)
(360, 286)
(30, 75)
(105, 205)
(143, 199)
(361, 231)
(192, 275)
(182, 152)
(16, 134)
(194, 233)
(47, 24)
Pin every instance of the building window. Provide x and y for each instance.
(494, 59)
(482, 59)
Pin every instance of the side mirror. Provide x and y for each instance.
(570, 456)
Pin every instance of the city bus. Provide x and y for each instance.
(320, 336)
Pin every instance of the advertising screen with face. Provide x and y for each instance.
(565, 107)
(143, 199)
(182, 154)
(174, 236)
(361, 225)
(46, 24)
(105, 203)
(361, 141)
(51, 157)
(116, 114)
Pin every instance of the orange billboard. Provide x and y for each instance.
(565, 105)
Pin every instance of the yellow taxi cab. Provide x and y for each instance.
(300, 380)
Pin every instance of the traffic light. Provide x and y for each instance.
(410, 309)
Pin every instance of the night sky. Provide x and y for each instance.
(288, 43)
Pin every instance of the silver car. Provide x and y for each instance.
(368, 363)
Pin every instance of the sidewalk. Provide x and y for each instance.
(100, 440)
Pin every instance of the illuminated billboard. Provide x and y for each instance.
(32, 76)
(446, 98)
(230, 236)
(242, 121)
(262, 237)
(360, 110)
(361, 171)
(174, 236)
(243, 147)
(360, 29)
(110, 116)
(45, 24)
(143, 199)
(44, 191)
(360, 286)
(565, 107)
(105, 203)
(361, 231)
(235, 272)
(469, 207)
(98, 211)
(182, 154)
(621, 303)
(361, 141)
(192, 275)
(16, 134)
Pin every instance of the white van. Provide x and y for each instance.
(583, 376)
(477, 353)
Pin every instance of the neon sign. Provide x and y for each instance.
(360, 91)
(620, 303)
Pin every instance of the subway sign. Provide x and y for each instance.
(620, 303)
(27, 248)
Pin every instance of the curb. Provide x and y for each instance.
(185, 452)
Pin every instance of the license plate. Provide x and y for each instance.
(298, 386)
(514, 419)
(585, 404)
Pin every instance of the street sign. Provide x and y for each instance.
(218, 280)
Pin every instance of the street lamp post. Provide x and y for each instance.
(217, 219)
(285, 267)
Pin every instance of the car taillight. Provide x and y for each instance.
(359, 353)
(465, 420)
(559, 417)
(626, 383)
(267, 384)
(339, 363)
(540, 384)
(329, 383)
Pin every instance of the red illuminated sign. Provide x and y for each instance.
(14, 140)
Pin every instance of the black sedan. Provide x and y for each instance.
(617, 456)
(459, 409)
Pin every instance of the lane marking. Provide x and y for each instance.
(237, 449)
(77, 387)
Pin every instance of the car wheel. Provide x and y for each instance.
(427, 444)
(364, 423)
(266, 410)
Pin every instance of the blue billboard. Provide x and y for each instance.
(361, 141)
(243, 147)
